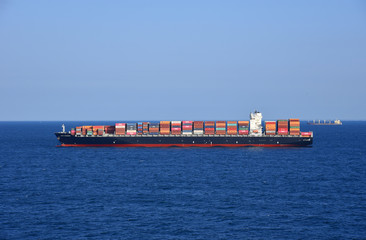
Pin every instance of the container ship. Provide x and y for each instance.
(280, 133)
(335, 122)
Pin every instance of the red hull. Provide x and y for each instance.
(179, 145)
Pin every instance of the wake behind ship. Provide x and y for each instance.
(280, 133)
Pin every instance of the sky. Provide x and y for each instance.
(182, 60)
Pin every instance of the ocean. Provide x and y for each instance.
(49, 192)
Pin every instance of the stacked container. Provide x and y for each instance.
(78, 131)
(109, 129)
(209, 127)
(198, 127)
(282, 127)
(220, 127)
(120, 128)
(243, 127)
(73, 132)
(232, 127)
(145, 128)
(164, 127)
(89, 131)
(176, 127)
(86, 129)
(187, 127)
(270, 127)
(98, 130)
(294, 126)
(131, 129)
(154, 128)
(139, 128)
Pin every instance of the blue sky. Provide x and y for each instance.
(179, 60)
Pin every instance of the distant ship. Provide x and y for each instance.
(318, 122)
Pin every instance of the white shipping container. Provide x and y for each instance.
(187, 133)
(198, 131)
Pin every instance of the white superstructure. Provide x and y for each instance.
(256, 124)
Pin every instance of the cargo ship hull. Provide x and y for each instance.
(68, 140)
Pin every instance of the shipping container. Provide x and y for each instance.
(198, 132)
(243, 123)
(306, 134)
(243, 132)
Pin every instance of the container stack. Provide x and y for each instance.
(139, 128)
(198, 127)
(232, 127)
(109, 129)
(78, 131)
(72, 132)
(87, 130)
(282, 127)
(176, 127)
(154, 128)
(83, 130)
(120, 128)
(187, 127)
(270, 127)
(243, 127)
(220, 127)
(95, 130)
(294, 126)
(131, 129)
(145, 128)
(209, 127)
(98, 130)
(164, 127)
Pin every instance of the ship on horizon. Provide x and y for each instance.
(325, 122)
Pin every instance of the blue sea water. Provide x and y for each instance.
(49, 192)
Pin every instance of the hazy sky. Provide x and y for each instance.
(182, 60)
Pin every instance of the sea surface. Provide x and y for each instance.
(49, 192)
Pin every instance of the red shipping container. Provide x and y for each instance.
(306, 134)
(187, 121)
(243, 132)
